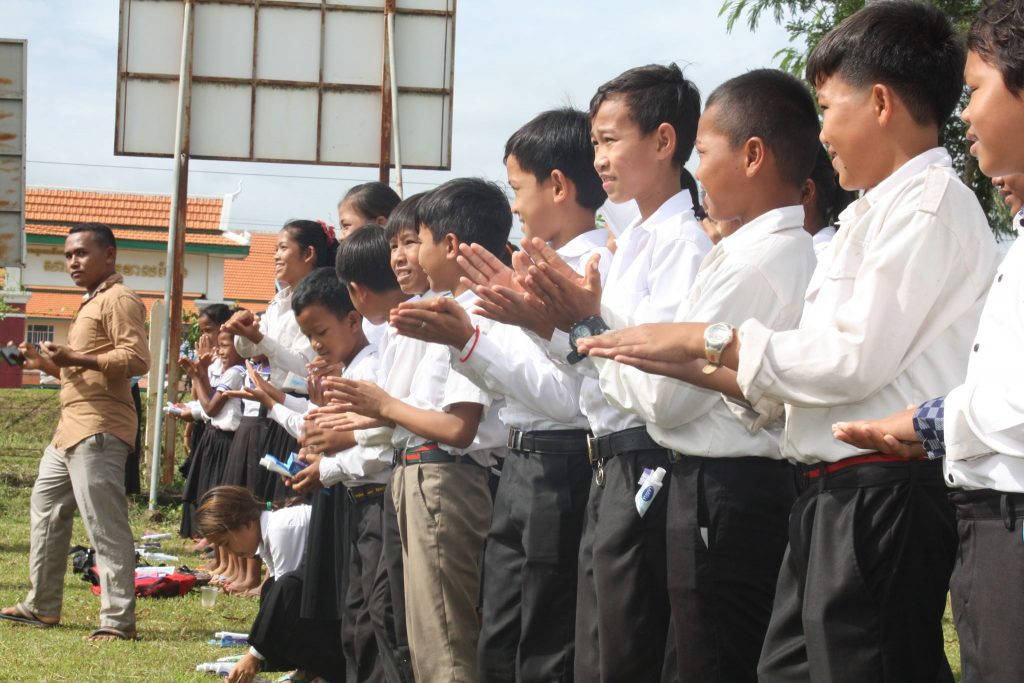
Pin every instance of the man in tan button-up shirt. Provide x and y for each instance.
(84, 465)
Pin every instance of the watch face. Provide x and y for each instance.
(718, 335)
(579, 331)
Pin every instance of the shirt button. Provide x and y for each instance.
(976, 347)
(1000, 278)
(950, 477)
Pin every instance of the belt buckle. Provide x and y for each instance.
(515, 439)
(591, 449)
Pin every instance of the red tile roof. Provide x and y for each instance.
(62, 303)
(141, 217)
(250, 281)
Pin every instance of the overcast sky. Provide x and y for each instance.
(513, 59)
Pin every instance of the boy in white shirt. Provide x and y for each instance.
(643, 125)
(446, 438)
(531, 559)
(886, 321)
(979, 425)
(730, 495)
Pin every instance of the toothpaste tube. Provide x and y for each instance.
(153, 536)
(288, 468)
(648, 490)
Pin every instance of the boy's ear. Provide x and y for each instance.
(561, 187)
(665, 135)
(451, 246)
(754, 154)
(883, 102)
(354, 320)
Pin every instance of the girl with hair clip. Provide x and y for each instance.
(301, 246)
(233, 519)
(365, 204)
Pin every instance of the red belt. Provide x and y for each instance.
(815, 471)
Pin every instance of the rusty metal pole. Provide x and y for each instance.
(163, 434)
(393, 77)
(385, 101)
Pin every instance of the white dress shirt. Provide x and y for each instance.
(511, 362)
(436, 386)
(374, 333)
(213, 372)
(654, 264)
(230, 414)
(283, 343)
(822, 238)
(761, 271)
(283, 538)
(359, 465)
(984, 418)
(291, 414)
(888, 316)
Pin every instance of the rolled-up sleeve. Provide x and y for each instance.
(125, 320)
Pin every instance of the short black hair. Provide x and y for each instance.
(777, 108)
(474, 210)
(322, 287)
(217, 313)
(559, 139)
(656, 94)
(315, 234)
(404, 217)
(997, 36)
(101, 233)
(364, 257)
(909, 46)
(372, 199)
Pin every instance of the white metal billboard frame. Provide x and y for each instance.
(425, 147)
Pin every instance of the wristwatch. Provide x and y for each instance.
(588, 327)
(716, 338)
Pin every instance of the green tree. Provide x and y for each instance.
(807, 22)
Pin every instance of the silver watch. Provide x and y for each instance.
(716, 338)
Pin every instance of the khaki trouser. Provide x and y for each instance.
(444, 511)
(89, 475)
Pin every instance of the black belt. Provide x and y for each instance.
(601, 448)
(426, 454)
(554, 442)
(362, 494)
(982, 504)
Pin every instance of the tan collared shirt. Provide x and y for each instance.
(111, 325)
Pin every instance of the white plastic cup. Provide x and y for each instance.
(208, 595)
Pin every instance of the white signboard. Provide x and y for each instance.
(296, 81)
(13, 76)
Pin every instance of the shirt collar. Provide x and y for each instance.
(363, 353)
(583, 244)
(465, 298)
(283, 295)
(114, 279)
(776, 220)
(936, 156)
(673, 206)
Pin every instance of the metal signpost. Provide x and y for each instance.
(296, 81)
(13, 76)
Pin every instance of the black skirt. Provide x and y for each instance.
(190, 470)
(325, 575)
(246, 450)
(206, 472)
(280, 444)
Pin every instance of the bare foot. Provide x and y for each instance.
(243, 586)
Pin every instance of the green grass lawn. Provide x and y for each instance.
(174, 630)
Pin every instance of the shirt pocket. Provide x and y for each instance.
(87, 334)
(835, 285)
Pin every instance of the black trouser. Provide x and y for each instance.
(530, 568)
(387, 609)
(727, 527)
(863, 584)
(359, 640)
(288, 641)
(987, 588)
(622, 611)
